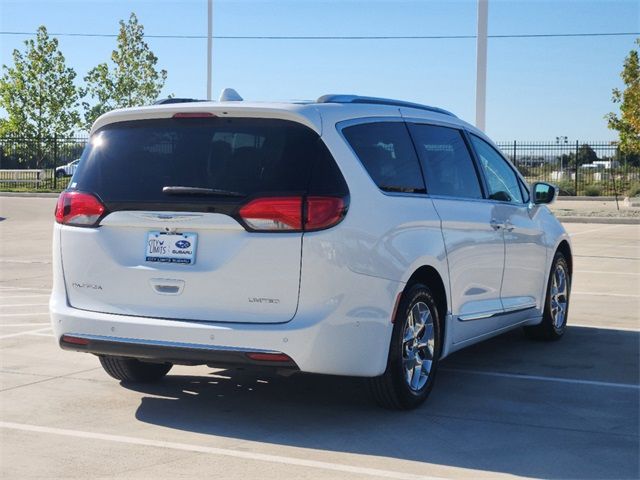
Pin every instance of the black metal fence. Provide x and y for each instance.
(578, 168)
(33, 164)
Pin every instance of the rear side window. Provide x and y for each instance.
(131, 162)
(447, 163)
(386, 152)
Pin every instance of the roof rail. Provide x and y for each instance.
(166, 101)
(338, 98)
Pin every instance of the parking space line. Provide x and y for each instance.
(607, 256)
(23, 324)
(4, 288)
(601, 272)
(608, 245)
(25, 296)
(595, 230)
(602, 294)
(226, 452)
(19, 334)
(521, 376)
(24, 305)
(22, 314)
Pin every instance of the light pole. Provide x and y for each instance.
(562, 139)
(481, 64)
(209, 45)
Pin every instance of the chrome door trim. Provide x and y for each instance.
(495, 313)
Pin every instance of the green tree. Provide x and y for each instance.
(586, 154)
(628, 122)
(131, 80)
(38, 91)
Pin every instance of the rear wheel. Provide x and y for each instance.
(413, 353)
(132, 370)
(556, 308)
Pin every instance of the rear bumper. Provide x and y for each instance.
(336, 339)
(177, 353)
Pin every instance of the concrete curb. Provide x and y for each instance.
(30, 194)
(604, 220)
(590, 199)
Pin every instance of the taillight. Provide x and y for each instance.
(323, 212)
(273, 213)
(293, 213)
(79, 209)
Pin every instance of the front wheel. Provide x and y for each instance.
(556, 307)
(413, 353)
(132, 370)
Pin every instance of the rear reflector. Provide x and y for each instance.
(193, 115)
(78, 209)
(395, 308)
(287, 213)
(269, 357)
(75, 340)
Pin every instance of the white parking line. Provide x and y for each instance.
(543, 378)
(23, 324)
(4, 288)
(601, 294)
(226, 452)
(24, 305)
(19, 260)
(595, 230)
(608, 245)
(22, 314)
(18, 334)
(24, 296)
(601, 272)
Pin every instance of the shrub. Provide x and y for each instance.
(593, 190)
(634, 190)
(567, 188)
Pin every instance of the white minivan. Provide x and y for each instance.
(347, 236)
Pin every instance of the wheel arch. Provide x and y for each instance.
(429, 276)
(565, 249)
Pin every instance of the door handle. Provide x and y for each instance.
(495, 224)
(508, 226)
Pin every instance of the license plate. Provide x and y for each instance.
(171, 247)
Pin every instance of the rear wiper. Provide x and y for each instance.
(178, 190)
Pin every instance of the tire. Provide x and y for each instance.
(556, 305)
(401, 387)
(132, 370)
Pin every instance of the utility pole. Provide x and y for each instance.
(481, 64)
(209, 45)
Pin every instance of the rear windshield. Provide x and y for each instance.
(131, 162)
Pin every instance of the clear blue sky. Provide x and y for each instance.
(537, 88)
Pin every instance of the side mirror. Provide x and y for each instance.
(544, 193)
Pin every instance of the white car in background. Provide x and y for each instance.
(67, 170)
(347, 236)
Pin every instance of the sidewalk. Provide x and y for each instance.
(595, 211)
